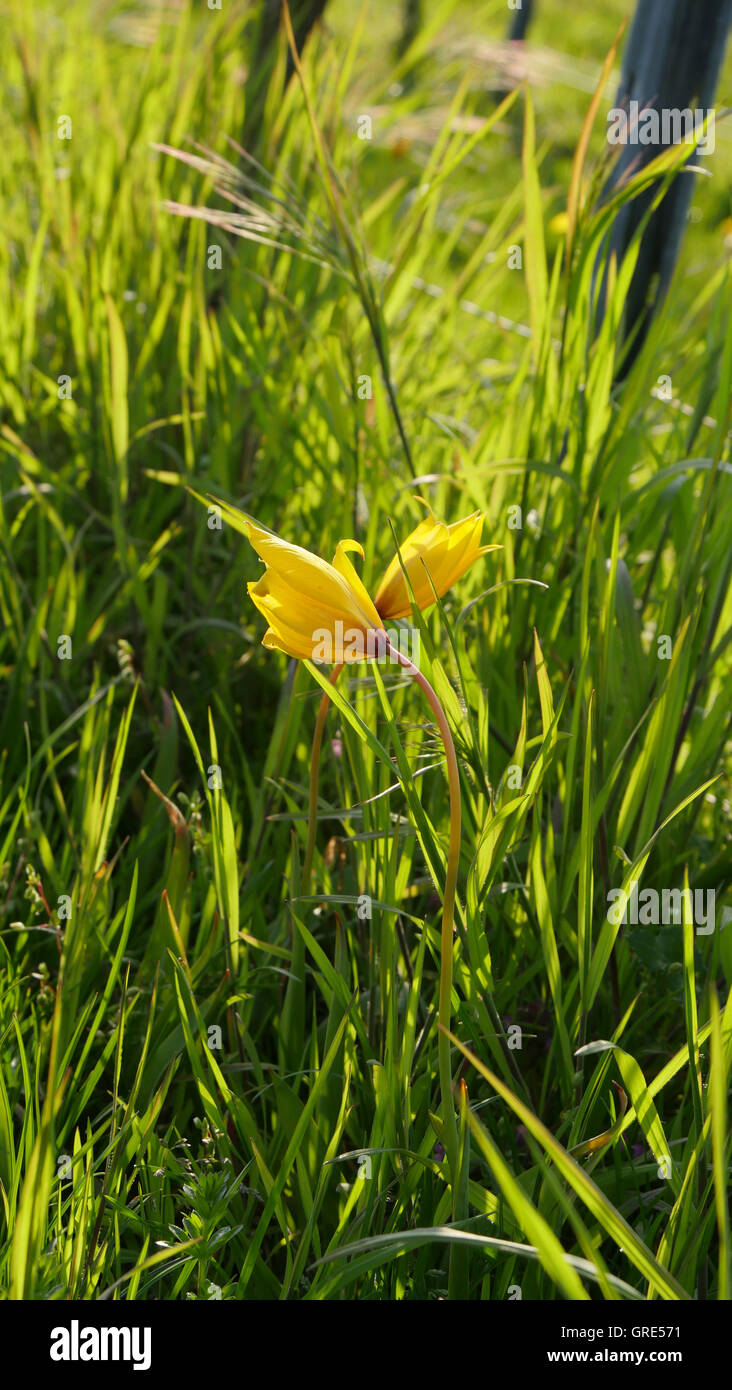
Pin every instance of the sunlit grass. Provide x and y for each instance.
(220, 1072)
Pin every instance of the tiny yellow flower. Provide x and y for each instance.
(447, 552)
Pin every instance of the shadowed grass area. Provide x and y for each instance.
(217, 1078)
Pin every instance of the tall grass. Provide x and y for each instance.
(214, 1083)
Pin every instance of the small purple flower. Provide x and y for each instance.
(337, 747)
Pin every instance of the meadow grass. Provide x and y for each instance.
(219, 1076)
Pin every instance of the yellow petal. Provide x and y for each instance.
(312, 580)
(284, 597)
(308, 645)
(274, 641)
(392, 593)
(287, 636)
(295, 629)
(432, 551)
(343, 565)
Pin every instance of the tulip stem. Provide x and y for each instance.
(313, 796)
(448, 911)
(448, 901)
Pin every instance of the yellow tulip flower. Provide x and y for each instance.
(447, 552)
(301, 595)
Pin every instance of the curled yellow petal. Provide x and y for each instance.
(343, 565)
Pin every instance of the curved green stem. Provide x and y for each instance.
(313, 796)
(448, 901)
(448, 909)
